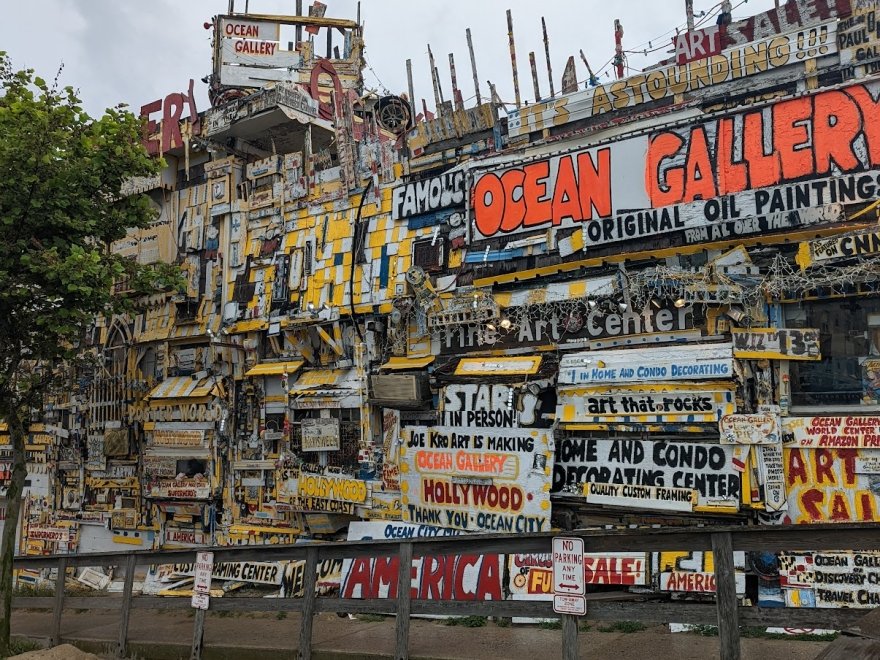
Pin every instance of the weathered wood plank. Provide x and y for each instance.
(404, 601)
(59, 600)
(198, 635)
(310, 577)
(569, 637)
(725, 596)
(128, 585)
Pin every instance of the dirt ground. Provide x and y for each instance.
(63, 652)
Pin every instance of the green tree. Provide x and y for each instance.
(61, 173)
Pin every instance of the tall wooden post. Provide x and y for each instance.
(725, 596)
(470, 43)
(512, 43)
(404, 601)
(122, 642)
(547, 56)
(308, 609)
(59, 601)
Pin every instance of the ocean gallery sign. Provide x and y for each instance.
(578, 327)
(795, 154)
(672, 476)
(490, 480)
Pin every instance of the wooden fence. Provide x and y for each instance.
(726, 613)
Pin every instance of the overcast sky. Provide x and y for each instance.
(135, 51)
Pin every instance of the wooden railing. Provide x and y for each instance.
(722, 541)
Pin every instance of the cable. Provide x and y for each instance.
(354, 253)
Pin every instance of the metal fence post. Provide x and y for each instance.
(725, 596)
(308, 606)
(122, 643)
(404, 600)
(59, 601)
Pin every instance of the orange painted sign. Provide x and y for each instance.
(797, 154)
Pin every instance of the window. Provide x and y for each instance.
(849, 372)
(428, 254)
(190, 467)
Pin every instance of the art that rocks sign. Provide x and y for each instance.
(695, 177)
(445, 577)
(494, 480)
(693, 403)
(658, 475)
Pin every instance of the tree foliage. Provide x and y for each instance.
(61, 175)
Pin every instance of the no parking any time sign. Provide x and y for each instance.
(569, 587)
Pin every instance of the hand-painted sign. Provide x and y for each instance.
(47, 533)
(417, 197)
(477, 479)
(639, 365)
(763, 224)
(692, 403)
(823, 486)
(452, 126)
(332, 487)
(695, 571)
(772, 473)
(647, 497)
(178, 438)
(772, 52)
(180, 489)
(445, 577)
(580, 327)
(484, 405)
(858, 39)
(320, 434)
(673, 466)
(837, 432)
(698, 44)
(830, 579)
(530, 575)
(750, 429)
(776, 343)
(691, 179)
(166, 135)
(834, 249)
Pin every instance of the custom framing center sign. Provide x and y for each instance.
(477, 479)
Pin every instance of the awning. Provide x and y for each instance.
(275, 368)
(182, 387)
(400, 363)
(521, 365)
(325, 388)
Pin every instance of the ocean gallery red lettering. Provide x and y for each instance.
(255, 47)
(520, 198)
(242, 30)
(506, 498)
(809, 136)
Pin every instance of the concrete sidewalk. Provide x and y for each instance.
(163, 634)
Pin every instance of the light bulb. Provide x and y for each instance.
(490, 326)
(680, 303)
(505, 324)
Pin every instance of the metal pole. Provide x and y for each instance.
(409, 88)
(547, 55)
(456, 95)
(474, 66)
(513, 59)
(534, 75)
(299, 29)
